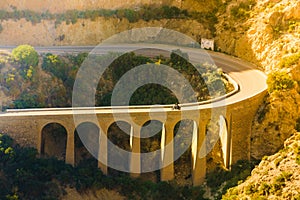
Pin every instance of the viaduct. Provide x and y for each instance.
(235, 114)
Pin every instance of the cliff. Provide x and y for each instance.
(58, 6)
(47, 33)
(276, 177)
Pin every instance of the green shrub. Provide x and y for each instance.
(279, 80)
(26, 55)
(239, 171)
(284, 176)
(279, 183)
(179, 58)
(24, 176)
(290, 60)
(242, 11)
(53, 64)
(298, 159)
(27, 100)
(264, 189)
(131, 15)
(250, 189)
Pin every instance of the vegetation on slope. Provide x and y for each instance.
(50, 84)
(279, 80)
(276, 177)
(24, 176)
(146, 13)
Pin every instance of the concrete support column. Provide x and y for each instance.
(102, 153)
(39, 139)
(167, 148)
(70, 149)
(135, 143)
(229, 141)
(199, 171)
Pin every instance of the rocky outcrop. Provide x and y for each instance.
(264, 38)
(276, 177)
(274, 123)
(47, 34)
(58, 6)
(293, 12)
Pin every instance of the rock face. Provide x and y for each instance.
(264, 38)
(276, 177)
(274, 123)
(276, 119)
(57, 6)
(46, 34)
(294, 12)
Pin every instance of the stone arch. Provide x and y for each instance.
(86, 144)
(118, 134)
(185, 133)
(54, 140)
(151, 136)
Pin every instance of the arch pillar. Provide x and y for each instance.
(167, 150)
(102, 153)
(135, 143)
(199, 166)
(70, 149)
(39, 138)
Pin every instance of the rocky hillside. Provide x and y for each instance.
(273, 42)
(61, 6)
(56, 6)
(276, 177)
(47, 33)
(269, 36)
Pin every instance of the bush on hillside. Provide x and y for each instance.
(25, 55)
(24, 176)
(290, 60)
(241, 11)
(279, 80)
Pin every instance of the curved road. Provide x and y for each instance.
(250, 80)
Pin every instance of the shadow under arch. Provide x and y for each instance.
(151, 135)
(218, 143)
(184, 133)
(119, 135)
(87, 144)
(54, 141)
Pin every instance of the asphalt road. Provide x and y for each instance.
(251, 80)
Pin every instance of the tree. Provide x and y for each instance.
(179, 58)
(25, 55)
